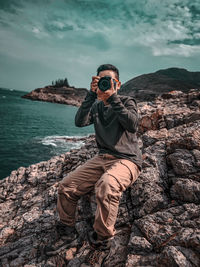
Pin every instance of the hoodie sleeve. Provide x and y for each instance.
(83, 116)
(127, 113)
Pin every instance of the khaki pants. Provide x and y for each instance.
(109, 177)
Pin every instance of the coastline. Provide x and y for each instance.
(145, 87)
(61, 95)
(33, 131)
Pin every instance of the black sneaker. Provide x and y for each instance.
(99, 243)
(65, 236)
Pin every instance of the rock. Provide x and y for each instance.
(138, 244)
(178, 256)
(186, 190)
(138, 260)
(158, 221)
(63, 95)
(182, 162)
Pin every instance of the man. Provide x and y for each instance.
(112, 170)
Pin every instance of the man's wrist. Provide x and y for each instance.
(92, 93)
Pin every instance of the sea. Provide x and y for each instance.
(34, 131)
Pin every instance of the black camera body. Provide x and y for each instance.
(104, 83)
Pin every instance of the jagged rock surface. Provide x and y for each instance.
(158, 222)
(62, 95)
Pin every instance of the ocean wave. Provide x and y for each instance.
(63, 143)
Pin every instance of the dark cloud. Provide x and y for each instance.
(10, 5)
(58, 27)
(97, 40)
(194, 9)
(101, 10)
(192, 42)
(3, 23)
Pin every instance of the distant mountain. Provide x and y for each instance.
(148, 86)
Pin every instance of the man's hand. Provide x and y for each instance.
(105, 95)
(93, 85)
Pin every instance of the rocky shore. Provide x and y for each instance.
(62, 95)
(159, 215)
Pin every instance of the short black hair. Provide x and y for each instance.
(108, 67)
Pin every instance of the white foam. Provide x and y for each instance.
(61, 142)
(48, 143)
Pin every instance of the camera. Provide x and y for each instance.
(105, 83)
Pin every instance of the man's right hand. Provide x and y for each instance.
(93, 85)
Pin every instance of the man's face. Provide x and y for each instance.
(111, 74)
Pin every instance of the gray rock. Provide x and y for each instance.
(186, 190)
(182, 162)
(178, 256)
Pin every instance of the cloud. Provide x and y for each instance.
(39, 33)
(36, 30)
(149, 23)
(81, 34)
(10, 6)
(58, 26)
(177, 50)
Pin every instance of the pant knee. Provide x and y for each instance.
(67, 190)
(107, 189)
(62, 187)
(102, 190)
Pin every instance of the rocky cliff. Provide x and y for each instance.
(159, 215)
(147, 86)
(62, 95)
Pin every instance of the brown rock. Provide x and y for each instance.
(63, 95)
(158, 221)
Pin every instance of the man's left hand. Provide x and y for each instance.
(105, 95)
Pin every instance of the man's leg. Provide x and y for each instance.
(108, 191)
(71, 188)
(76, 184)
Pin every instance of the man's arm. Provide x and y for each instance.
(127, 114)
(84, 114)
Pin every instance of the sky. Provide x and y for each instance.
(45, 40)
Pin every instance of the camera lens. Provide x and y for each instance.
(104, 83)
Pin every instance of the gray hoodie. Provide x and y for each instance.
(115, 125)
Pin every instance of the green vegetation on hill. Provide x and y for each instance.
(60, 82)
